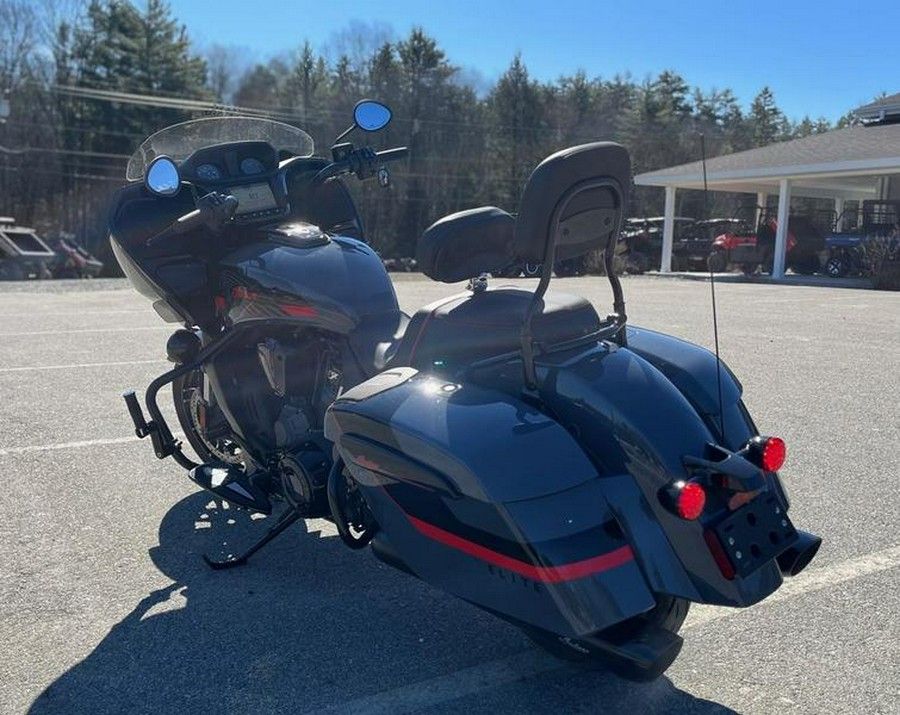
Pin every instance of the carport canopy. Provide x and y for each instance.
(841, 164)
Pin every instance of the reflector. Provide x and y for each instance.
(773, 454)
(690, 501)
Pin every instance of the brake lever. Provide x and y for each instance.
(213, 209)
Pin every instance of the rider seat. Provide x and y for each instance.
(572, 204)
(466, 327)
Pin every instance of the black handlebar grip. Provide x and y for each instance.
(400, 152)
(141, 427)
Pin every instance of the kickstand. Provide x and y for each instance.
(284, 521)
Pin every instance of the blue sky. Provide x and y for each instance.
(820, 58)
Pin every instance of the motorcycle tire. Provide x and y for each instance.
(669, 613)
(186, 391)
(532, 270)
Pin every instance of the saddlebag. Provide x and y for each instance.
(485, 496)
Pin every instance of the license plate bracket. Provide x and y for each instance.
(756, 533)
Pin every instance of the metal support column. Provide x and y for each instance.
(761, 199)
(784, 213)
(668, 231)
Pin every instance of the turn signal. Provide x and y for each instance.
(690, 501)
(773, 454)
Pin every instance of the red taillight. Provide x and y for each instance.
(690, 501)
(773, 454)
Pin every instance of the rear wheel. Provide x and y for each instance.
(717, 262)
(668, 614)
(204, 425)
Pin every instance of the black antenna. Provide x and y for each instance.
(712, 288)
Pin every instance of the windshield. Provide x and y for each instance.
(181, 140)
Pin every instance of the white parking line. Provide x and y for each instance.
(82, 313)
(66, 445)
(810, 581)
(86, 364)
(525, 664)
(85, 443)
(85, 330)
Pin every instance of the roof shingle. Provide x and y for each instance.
(860, 145)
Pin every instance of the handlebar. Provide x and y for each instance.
(363, 162)
(401, 152)
(214, 210)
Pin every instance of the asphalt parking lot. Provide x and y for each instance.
(106, 606)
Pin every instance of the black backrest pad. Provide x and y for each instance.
(466, 244)
(587, 188)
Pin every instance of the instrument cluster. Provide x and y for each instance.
(230, 162)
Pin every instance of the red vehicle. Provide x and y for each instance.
(750, 251)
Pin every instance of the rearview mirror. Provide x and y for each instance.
(162, 177)
(370, 116)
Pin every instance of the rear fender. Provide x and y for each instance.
(637, 425)
(692, 370)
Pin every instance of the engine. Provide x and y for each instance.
(277, 389)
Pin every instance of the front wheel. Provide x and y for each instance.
(669, 614)
(204, 424)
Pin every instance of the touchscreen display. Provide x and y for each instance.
(253, 197)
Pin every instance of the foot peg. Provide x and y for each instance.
(231, 484)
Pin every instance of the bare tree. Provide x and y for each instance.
(225, 64)
(18, 41)
(358, 42)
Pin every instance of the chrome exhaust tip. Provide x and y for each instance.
(796, 558)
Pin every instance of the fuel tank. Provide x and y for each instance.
(299, 273)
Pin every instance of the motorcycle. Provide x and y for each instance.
(580, 478)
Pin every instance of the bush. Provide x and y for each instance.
(594, 265)
(888, 276)
(881, 261)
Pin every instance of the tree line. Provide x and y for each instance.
(86, 82)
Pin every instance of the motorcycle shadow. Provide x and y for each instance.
(307, 626)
